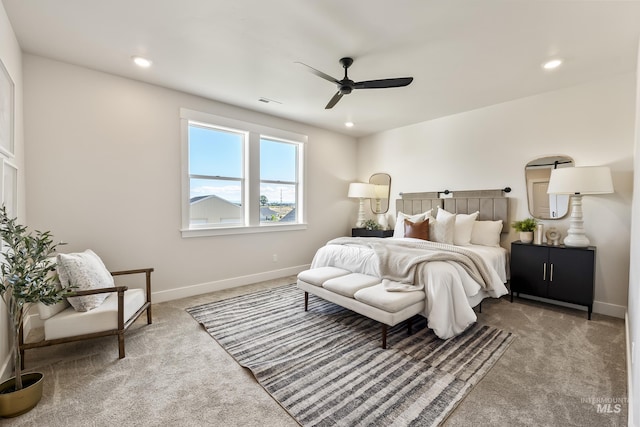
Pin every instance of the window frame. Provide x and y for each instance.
(251, 175)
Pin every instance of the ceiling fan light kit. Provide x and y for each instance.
(346, 85)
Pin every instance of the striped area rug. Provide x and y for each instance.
(326, 367)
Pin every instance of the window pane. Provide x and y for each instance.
(278, 161)
(277, 203)
(215, 152)
(215, 201)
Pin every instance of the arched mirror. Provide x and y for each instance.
(382, 183)
(537, 173)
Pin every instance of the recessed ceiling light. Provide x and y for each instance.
(142, 62)
(550, 65)
(349, 124)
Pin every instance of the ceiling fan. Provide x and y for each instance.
(346, 85)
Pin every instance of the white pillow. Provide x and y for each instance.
(463, 228)
(441, 227)
(398, 231)
(486, 233)
(84, 270)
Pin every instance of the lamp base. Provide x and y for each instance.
(576, 241)
(361, 217)
(575, 235)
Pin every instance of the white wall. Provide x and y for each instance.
(11, 57)
(103, 172)
(633, 311)
(489, 147)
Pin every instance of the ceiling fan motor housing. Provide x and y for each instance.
(345, 87)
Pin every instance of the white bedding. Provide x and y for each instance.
(448, 287)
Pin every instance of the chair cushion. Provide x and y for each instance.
(350, 284)
(70, 323)
(86, 271)
(392, 302)
(317, 276)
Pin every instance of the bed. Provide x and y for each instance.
(464, 229)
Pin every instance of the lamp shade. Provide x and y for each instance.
(581, 180)
(362, 190)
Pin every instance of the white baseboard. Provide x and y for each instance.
(612, 310)
(599, 307)
(203, 288)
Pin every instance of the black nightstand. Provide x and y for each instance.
(554, 272)
(363, 232)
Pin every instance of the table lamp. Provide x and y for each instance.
(361, 191)
(576, 182)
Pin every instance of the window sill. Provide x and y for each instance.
(227, 231)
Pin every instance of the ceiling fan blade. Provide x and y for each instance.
(383, 83)
(333, 101)
(319, 73)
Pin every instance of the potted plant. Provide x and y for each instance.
(526, 227)
(371, 225)
(26, 280)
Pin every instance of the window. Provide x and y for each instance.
(278, 181)
(239, 177)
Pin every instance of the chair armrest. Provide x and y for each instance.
(141, 270)
(97, 291)
(147, 272)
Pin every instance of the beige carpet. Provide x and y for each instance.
(175, 374)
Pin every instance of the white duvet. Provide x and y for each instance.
(448, 287)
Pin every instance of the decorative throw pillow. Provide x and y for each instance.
(441, 228)
(463, 227)
(398, 231)
(417, 230)
(84, 270)
(486, 233)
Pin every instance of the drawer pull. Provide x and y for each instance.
(551, 273)
(544, 271)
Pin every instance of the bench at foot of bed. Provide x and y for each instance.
(363, 294)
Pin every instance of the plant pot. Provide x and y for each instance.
(526, 236)
(16, 403)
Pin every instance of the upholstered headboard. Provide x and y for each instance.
(492, 204)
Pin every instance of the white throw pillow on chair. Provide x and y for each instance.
(84, 270)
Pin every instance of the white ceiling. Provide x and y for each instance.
(463, 54)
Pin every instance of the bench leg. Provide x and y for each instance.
(384, 336)
(409, 326)
(306, 301)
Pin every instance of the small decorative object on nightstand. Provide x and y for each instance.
(553, 236)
